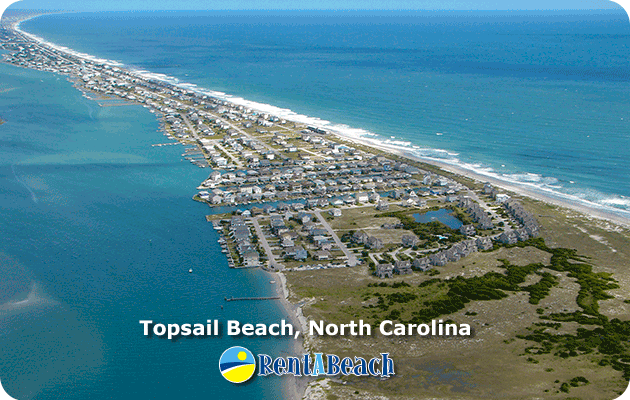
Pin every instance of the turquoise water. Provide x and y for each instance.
(443, 215)
(534, 97)
(99, 227)
(99, 230)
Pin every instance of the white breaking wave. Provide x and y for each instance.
(618, 201)
(591, 198)
(550, 185)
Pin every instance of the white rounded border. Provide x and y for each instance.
(625, 4)
(4, 4)
(4, 395)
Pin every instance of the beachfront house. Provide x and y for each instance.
(453, 254)
(335, 212)
(438, 259)
(362, 197)
(468, 247)
(402, 267)
(508, 237)
(422, 264)
(251, 258)
(522, 234)
(410, 240)
(322, 255)
(467, 230)
(384, 271)
(502, 198)
(296, 252)
(382, 205)
(360, 237)
(484, 243)
(374, 243)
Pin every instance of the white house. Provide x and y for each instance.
(362, 197)
(335, 212)
(502, 198)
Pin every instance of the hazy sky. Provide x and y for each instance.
(316, 4)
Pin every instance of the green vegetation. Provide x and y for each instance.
(433, 298)
(461, 215)
(609, 338)
(425, 231)
(457, 293)
(575, 382)
(578, 381)
(540, 289)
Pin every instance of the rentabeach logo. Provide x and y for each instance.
(238, 364)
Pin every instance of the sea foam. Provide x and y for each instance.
(547, 184)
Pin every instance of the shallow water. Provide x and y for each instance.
(103, 227)
(537, 97)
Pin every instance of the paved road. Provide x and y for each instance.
(489, 210)
(247, 135)
(264, 243)
(352, 259)
(315, 154)
(193, 131)
(234, 159)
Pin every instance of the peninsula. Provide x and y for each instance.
(358, 232)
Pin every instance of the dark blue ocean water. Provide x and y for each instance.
(538, 97)
(98, 231)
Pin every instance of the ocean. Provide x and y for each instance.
(534, 97)
(99, 229)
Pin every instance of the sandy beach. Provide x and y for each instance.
(590, 209)
(296, 387)
(519, 188)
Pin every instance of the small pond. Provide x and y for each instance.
(443, 215)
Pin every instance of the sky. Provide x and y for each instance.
(120, 5)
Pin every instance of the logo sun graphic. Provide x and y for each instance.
(237, 364)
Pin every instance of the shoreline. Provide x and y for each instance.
(519, 188)
(293, 388)
(611, 214)
(298, 386)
